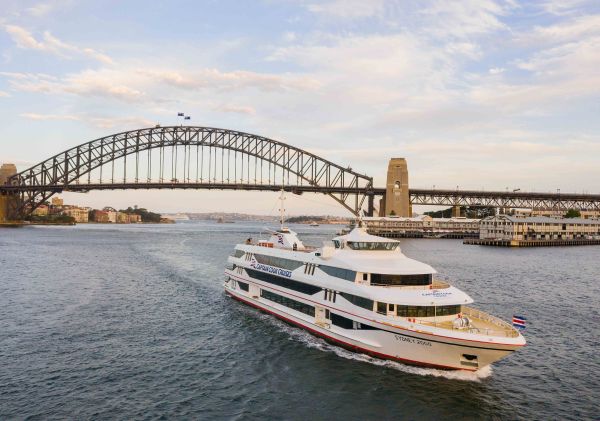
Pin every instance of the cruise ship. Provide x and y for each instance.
(362, 293)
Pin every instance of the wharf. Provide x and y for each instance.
(530, 243)
(422, 234)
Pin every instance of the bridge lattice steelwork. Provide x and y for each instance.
(500, 199)
(185, 157)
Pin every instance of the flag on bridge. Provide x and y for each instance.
(179, 114)
(519, 321)
(187, 117)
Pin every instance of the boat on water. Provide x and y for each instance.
(314, 224)
(362, 293)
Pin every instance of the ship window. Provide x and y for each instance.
(348, 275)
(384, 279)
(278, 262)
(284, 282)
(243, 286)
(341, 321)
(358, 301)
(381, 308)
(288, 302)
(369, 245)
(346, 323)
(238, 253)
(336, 244)
(426, 311)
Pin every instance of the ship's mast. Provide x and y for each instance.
(281, 208)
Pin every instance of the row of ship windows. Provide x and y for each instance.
(366, 303)
(417, 311)
(340, 273)
(336, 319)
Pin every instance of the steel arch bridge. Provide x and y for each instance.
(186, 157)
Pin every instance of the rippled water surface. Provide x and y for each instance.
(131, 322)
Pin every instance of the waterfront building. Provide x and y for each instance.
(100, 216)
(556, 213)
(41, 210)
(505, 227)
(79, 214)
(111, 214)
(122, 218)
(134, 218)
(422, 226)
(57, 202)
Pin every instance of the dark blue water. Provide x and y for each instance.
(131, 322)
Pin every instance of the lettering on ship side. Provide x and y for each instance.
(412, 340)
(270, 269)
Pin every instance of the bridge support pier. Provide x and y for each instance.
(7, 201)
(455, 211)
(397, 200)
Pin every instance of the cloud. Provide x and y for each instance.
(348, 9)
(572, 30)
(466, 18)
(4, 94)
(239, 79)
(52, 45)
(49, 117)
(562, 7)
(44, 8)
(88, 83)
(236, 109)
(99, 122)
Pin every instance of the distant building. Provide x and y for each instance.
(423, 225)
(57, 201)
(41, 210)
(556, 213)
(134, 218)
(79, 214)
(100, 216)
(505, 227)
(122, 218)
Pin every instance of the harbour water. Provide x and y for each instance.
(131, 322)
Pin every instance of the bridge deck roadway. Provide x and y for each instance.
(473, 198)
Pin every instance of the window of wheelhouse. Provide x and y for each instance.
(391, 280)
(369, 245)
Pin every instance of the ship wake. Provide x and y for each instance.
(312, 341)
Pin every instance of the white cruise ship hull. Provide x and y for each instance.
(382, 340)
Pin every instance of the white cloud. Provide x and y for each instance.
(44, 8)
(4, 94)
(236, 109)
(562, 7)
(348, 9)
(239, 79)
(52, 45)
(572, 30)
(99, 122)
(466, 18)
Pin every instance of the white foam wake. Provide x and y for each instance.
(314, 342)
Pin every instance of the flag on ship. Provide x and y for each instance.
(179, 114)
(519, 321)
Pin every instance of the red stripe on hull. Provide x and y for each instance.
(346, 345)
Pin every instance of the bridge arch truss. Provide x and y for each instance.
(186, 157)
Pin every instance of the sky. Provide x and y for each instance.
(476, 93)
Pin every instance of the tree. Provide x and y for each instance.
(392, 213)
(573, 213)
